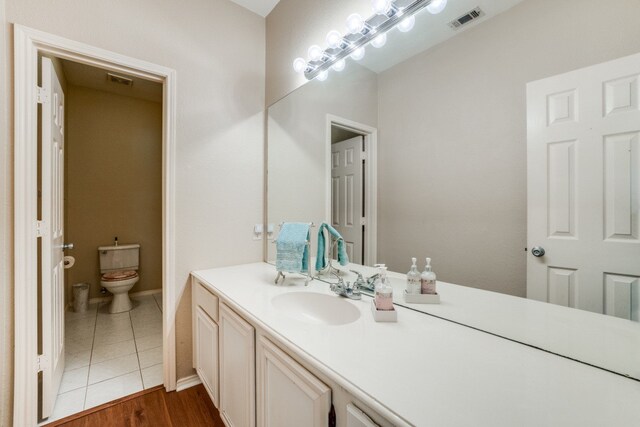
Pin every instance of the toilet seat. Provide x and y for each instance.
(115, 276)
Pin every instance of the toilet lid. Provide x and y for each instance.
(119, 275)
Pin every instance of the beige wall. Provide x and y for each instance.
(113, 182)
(217, 49)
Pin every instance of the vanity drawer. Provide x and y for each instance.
(205, 299)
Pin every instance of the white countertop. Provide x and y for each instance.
(604, 341)
(433, 372)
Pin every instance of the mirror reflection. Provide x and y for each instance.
(506, 150)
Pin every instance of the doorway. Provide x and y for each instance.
(352, 186)
(30, 226)
(101, 188)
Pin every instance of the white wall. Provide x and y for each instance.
(6, 232)
(452, 171)
(297, 127)
(452, 127)
(293, 26)
(218, 51)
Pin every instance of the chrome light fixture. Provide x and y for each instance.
(387, 14)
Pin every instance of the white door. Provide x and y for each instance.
(347, 194)
(584, 188)
(52, 326)
(288, 394)
(237, 370)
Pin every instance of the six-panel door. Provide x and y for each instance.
(584, 188)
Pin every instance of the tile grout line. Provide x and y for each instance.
(95, 328)
(135, 343)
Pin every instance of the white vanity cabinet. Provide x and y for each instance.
(254, 379)
(205, 339)
(287, 393)
(237, 370)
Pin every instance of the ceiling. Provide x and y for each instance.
(429, 31)
(96, 78)
(261, 7)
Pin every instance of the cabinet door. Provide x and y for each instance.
(237, 370)
(288, 394)
(206, 353)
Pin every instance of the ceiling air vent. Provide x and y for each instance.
(466, 18)
(121, 80)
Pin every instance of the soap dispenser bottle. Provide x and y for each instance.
(428, 279)
(413, 279)
(384, 292)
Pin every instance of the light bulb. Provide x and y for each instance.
(407, 24)
(358, 54)
(381, 7)
(355, 23)
(323, 75)
(299, 65)
(315, 53)
(334, 38)
(379, 41)
(436, 6)
(339, 66)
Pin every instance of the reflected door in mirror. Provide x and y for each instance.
(347, 195)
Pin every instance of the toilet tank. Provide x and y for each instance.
(121, 257)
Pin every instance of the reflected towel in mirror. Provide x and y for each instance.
(343, 258)
(291, 247)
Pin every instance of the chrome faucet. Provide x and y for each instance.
(369, 283)
(348, 290)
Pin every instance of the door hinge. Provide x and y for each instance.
(363, 221)
(363, 155)
(41, 95)
(41, 362)
(40, 228)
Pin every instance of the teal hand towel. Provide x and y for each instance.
(343, 258)
(291, 247)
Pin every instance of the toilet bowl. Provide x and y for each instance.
(118, 267)
(119, 283)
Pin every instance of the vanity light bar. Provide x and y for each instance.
(374, 26)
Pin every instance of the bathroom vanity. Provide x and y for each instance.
(284, 355)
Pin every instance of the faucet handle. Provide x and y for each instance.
(360, 279)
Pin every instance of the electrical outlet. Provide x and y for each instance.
(258, 230)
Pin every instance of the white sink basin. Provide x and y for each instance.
(319, 309)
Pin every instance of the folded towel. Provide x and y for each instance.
(343, 258)
(291, 246)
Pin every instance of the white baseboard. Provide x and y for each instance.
(190, 381)
(135, 294)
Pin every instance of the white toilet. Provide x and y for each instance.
(119, 270)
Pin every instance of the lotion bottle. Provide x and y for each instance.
(413, 279)
(428, 279)
(384, 292)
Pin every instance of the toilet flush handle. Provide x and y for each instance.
(67, 246)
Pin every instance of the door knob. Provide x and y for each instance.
(537, 251)
(67, 246)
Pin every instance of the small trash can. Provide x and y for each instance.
(80, 297)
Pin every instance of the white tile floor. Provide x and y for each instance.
(108, 356)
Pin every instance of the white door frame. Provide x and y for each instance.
(371, 179)
(28, 44)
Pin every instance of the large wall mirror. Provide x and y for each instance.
(473, 146)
